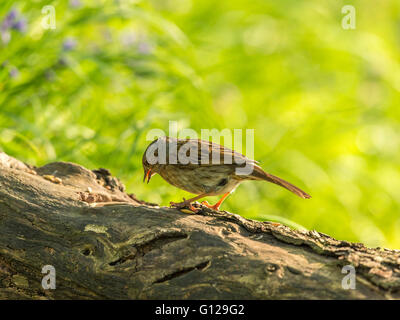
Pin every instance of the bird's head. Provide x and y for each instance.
(150, 168)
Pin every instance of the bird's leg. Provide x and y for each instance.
(218, 204)
(187, 203)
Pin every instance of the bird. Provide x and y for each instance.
(204, 168)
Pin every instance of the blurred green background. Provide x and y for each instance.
(324, 101)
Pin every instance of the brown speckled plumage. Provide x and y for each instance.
(200, 174)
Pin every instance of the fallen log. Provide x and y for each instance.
(106, 244)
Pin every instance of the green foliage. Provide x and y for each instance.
(324, 101)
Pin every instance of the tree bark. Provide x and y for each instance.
(106, 244)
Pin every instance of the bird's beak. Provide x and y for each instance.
(147, 175)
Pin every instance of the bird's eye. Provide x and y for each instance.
(223, 182)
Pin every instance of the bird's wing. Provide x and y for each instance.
(204, 153)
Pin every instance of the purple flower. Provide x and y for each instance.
(69, 44)
(13, 20)
(20, 25)
(10, 19)
(75, 3)
(12, 14)
(14, 72)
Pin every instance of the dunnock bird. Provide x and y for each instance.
(204, 168)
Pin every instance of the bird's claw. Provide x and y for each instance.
(183, 204)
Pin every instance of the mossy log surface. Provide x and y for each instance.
(106, 244)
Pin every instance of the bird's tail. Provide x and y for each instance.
(260, 174)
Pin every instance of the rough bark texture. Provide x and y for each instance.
(105, 244)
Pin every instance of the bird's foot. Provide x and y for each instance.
(214, 207)
(183, 204)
